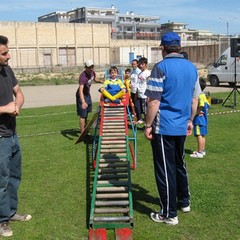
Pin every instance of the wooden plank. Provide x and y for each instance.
(90, 123)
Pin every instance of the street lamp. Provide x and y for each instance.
(227, 24)
(227, 21)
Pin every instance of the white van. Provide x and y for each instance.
(223, 70)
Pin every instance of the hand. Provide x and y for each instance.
(84, 105)
(189, 128)
(148, 133)
(17, 109)
(12, 109)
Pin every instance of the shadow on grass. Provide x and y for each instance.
(70, 134)
(142, 198)
(188, 151)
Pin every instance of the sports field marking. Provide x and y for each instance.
(46, 114)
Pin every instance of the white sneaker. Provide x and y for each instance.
(203, 152)
(172, 221)
(156, 217)
(5, 230)
(21, 217)
(185, 209)
(196, 154)
(140, 121)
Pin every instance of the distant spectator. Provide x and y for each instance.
(200, 122)
(140, 103)
(134, 77)
(83, 97)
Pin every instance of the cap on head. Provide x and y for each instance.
(89, 63)
(170, 39)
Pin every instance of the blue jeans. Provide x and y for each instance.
(10, 176)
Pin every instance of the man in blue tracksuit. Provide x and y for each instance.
(172, 90)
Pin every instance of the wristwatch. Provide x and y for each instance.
(146, 126)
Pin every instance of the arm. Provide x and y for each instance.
(19, 98)
(152, 109)
(13, 107)
(197, 92)
(84, 104)
(193, 112)
(96, 79)
(10, 108)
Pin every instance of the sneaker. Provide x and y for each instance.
(172, 221)
(196, 154)
(21, 217)
(140, 121)
(203, 152)
(5, 230)
(185, 209)
(156, 217)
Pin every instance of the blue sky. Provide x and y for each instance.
(208, 15)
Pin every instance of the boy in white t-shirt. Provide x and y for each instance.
(133, 79)
(140, 104)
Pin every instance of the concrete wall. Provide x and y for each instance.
(31, 44)
(47, 45)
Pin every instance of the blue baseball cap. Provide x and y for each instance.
(170, 39)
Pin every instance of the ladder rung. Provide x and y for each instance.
(112, 176)
(107, 134)
(114, 141)
(113, 119)
(105, 126)
(112, 195)
(113, 146)
(112, 189)
(111, 210)
(110, 170)
(113, 150)
(111, 219)
(113, 138)
(112, 203)
(115, 113)
(113, 109)
(112, 160)
(113, 182)
(113, 123)
(113, 156)
(122, 131)
(112, 165)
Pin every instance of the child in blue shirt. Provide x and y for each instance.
(113, 88)
(200, 122)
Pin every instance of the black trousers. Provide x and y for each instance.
(170, 173)
(140, 107)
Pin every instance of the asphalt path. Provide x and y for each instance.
(59, 95)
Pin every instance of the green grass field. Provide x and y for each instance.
(56, 176)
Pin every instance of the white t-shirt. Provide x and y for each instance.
(134, 78)
(142, 83)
